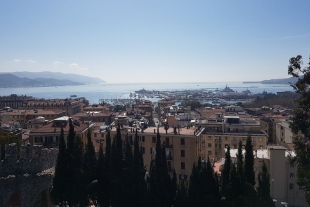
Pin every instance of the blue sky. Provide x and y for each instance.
(155, 41)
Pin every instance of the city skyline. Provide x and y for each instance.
(137, 41)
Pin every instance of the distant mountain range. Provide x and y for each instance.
(39, 79)
(276, 81)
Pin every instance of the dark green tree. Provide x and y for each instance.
(240, 176)
(195, 193)
(251, 197)
(116, 169)
(101, 187)
(139, 183)
(301, 122)
(78, 195)
(263, 189)
(89, 166)
(233, 197)
(249, 162)
(59, 188)
(160, 181)
(181, 199)
(226, 174)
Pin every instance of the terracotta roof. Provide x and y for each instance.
(50, 128)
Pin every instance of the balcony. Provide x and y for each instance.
(168, 146)
(168, 157)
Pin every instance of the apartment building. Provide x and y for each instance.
(165, 102)
(48, 135)
(23, 116)
(283, 186)
(218, 134)
(94, 116)
(284, 133)
(71, 106)
(180, 145)
(14, 101)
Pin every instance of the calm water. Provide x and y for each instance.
(109, 91)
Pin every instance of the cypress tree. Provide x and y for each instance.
(263, 189)
(251, 198)
(116, 171)
(240, 175)
(233, 187)
(78, 195)
(249, 162)
(212, 192)
(225, 174)
(89, 165)
(195, 189)
(70, 166)
(59, 187)
(101, 188)
(181, 199)
(160, 182)
(139, 183)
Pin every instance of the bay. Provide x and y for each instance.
(112, 90)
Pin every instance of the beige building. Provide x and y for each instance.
(229, 130)
(283, 186)
(180, 146)
(284, 133)
(48, 135)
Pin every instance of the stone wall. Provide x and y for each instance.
(32, 160)
(26, 175)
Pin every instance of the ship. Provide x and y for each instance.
(73, 96)
(141, 91)
(227, 89)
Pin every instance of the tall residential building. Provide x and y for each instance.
(283, 172)
(180, 145)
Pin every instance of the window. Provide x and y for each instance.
(182, 141)
(182, 153)
(102, 135)
(260, 146)
(291, 186)
(154, 139)
(215, 145)
(291, 175)
(143, 150)
(95, 134)
(209, 145)
(235, 146)
(292, 165)
(57, 139)
(151, 151)
(182, 165)
(226, 138)
(226, 145)
(209, 137)
(209, 152)
(220, 146)
(143, 139)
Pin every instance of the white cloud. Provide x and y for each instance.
(17, 60)
(31, 61)
(57, 62)
(76, 66)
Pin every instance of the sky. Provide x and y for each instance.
(155, 41)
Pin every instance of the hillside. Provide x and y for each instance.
(60, 76)
(8, 80)
(275, 81)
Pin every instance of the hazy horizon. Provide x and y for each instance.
(162, 41)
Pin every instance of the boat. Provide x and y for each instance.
(141, 91)
(73, 96)
(227, 89)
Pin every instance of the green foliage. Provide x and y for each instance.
(301, 122)
(263, 189)
(249, 162)
(59, 189)
(288, 102)
(181, 199)
(160, 181)
(225, 174)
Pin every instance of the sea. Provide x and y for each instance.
(95, 92)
